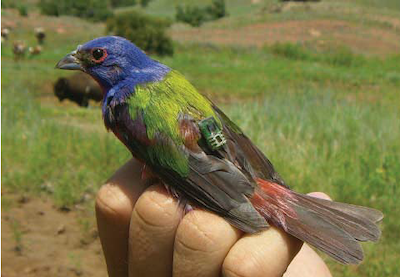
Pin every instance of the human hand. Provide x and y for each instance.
(144, 232)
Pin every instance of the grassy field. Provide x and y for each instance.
(327, 118)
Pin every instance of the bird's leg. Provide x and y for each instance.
(147, 174)
(185, 206)
(188, 208)
(182, 202)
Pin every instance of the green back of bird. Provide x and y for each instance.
(161, 104)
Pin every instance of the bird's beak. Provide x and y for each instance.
(69, 62)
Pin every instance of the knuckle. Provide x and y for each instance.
(156, 210)
(196, 234)
(241, 265)
(111, 200)
(227, 272)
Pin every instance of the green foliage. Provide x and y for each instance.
(343, 56)
(290, 51)
(23, 10)
(122, 3)
(50, 7)
(193, 15)
(96, 10)
(196, 16)
(147, 32)
(144, 3)
(217, 9)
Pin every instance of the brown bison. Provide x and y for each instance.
(78, 88)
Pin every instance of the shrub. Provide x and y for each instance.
(144, 3)
(49, 7)
(217, 9)
(145, 31)
(96, 10)
(23, 10)
(195, 16)
(122, 3)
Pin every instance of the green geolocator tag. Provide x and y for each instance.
(212, 133)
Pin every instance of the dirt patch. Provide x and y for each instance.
(368, 40)
(40, 240)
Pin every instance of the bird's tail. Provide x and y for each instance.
(332, 227)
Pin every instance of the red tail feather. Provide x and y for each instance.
(271, 200)
(334, 228)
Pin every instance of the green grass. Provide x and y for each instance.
(387, 4)
(17, 236)
(348, 150)
(239, 73)
(328, 119)
(42, 148)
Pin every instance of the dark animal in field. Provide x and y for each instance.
(78, 88)
(40, 34)
(36, 50)
(19, 50)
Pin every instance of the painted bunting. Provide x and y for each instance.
(204, 158)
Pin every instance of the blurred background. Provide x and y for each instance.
(316, 84)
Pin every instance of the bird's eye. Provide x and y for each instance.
(99, 54)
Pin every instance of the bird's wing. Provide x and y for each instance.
(244, 153)
(211, 182)
(219, 179)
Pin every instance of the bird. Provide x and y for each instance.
(204, 158)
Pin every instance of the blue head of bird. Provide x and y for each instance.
(113, 61)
